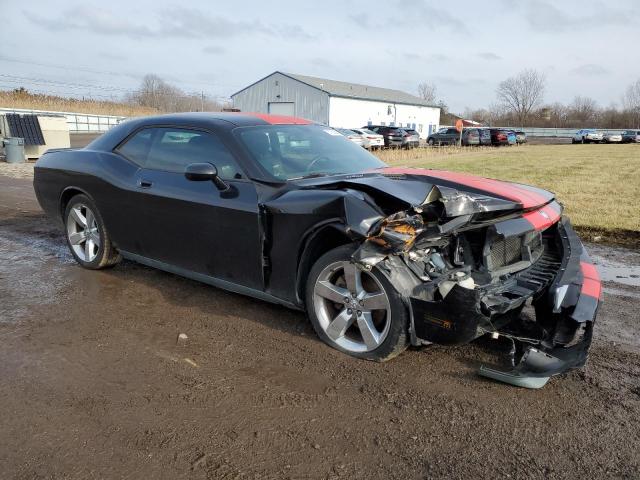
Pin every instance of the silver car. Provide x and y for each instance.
(587, 135)
(351, 135)
(612, 137)
(370, 140)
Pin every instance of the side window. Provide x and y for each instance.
(137, 147)
(172, 149)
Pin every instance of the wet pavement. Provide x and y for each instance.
(95, 385)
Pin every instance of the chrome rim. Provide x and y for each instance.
(352, 307)
(82, 232)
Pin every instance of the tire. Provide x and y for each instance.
(377, 305)
(430, 142)
(92, 250)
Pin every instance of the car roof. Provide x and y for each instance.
(113, 136)
(241, 119)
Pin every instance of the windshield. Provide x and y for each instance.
(288, 152)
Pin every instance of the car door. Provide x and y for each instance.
(192, 225)
(452, 136)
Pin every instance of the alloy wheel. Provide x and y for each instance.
(352, 307)
(83, 233)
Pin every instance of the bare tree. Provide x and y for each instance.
(154, 92)
(583, 111)
(522, 93)
(427, 92)
(631, 102)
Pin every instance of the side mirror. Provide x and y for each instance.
(199, 172)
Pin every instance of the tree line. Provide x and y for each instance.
(520, 103)
(160, 95)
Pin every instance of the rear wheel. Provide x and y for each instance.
(355, 311)
(430, 142)
(87, 236)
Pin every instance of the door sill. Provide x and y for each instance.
(209, 280)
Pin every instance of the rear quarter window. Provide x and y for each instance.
(137, 147)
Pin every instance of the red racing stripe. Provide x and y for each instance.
(527, 198)
(591, 284)
(543, 218)
(278, 119)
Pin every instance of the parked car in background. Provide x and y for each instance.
(444, 136)
(499, 137)
(611, 137)
(631, 136)
(394, 137)
(470, 136)
(587, 135)
(485, 136)
(370, 140)
(521, 137)
(352, 136)
(414, 137)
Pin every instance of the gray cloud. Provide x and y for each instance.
(214, 50)
(545, 17)
(421, 14)
(111, 56)
(590, 70)
(459, 81)
(175, 23)
(434, 57)
(489, 56)
(321, 62)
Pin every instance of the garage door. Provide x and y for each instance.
(282, 108)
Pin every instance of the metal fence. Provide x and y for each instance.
(78, 122)
(550, 132)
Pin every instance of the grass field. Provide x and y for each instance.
(599, 185)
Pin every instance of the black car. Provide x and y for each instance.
(631, 136)
(394, 137)
(485, 136)
(293, 213)
(444, 136)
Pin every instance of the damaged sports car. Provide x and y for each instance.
(291, 212)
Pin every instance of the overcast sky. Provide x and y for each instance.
(103, 48)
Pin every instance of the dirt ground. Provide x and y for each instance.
(94, 385)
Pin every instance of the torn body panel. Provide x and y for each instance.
(468, 275)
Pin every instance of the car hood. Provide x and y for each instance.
(461, 193)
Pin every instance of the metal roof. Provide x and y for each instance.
(353, 90)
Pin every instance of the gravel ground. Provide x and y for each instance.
(95, 385)
(17, 170)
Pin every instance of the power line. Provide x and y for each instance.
(100, 72)
(21, 80)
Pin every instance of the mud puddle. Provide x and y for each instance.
(619, 265)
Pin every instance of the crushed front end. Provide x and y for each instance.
(467, 265)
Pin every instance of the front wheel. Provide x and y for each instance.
(87, 236)
(355, 311)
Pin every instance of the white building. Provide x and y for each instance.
(337, 104)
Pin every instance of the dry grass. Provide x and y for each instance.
(10, 99)
(598, 184)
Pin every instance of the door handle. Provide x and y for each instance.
(144, 183)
